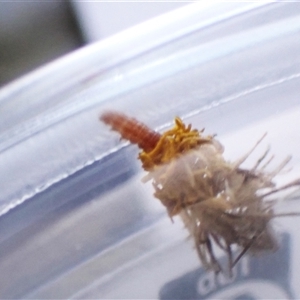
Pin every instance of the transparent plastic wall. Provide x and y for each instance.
(76, 222)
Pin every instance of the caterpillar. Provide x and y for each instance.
(221, 204)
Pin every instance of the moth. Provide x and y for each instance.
(221, 204)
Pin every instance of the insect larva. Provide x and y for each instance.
(132, 130)
(221, 204)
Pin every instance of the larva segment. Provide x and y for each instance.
(132, 130)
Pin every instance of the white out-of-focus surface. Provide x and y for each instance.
(99, 20)
(85, 229)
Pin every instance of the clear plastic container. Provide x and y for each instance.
(76, 222)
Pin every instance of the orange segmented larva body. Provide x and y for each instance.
(132, 130)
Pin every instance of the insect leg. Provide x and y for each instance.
(267, 163)
(230, 259)
(216, 266)
(248, 245)
(243, 158)
(244, 251)
(284, 187)
(205, 251)
(280, 167)
(218, 242)
(227, 249)
(200, 239)
(261, 159)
